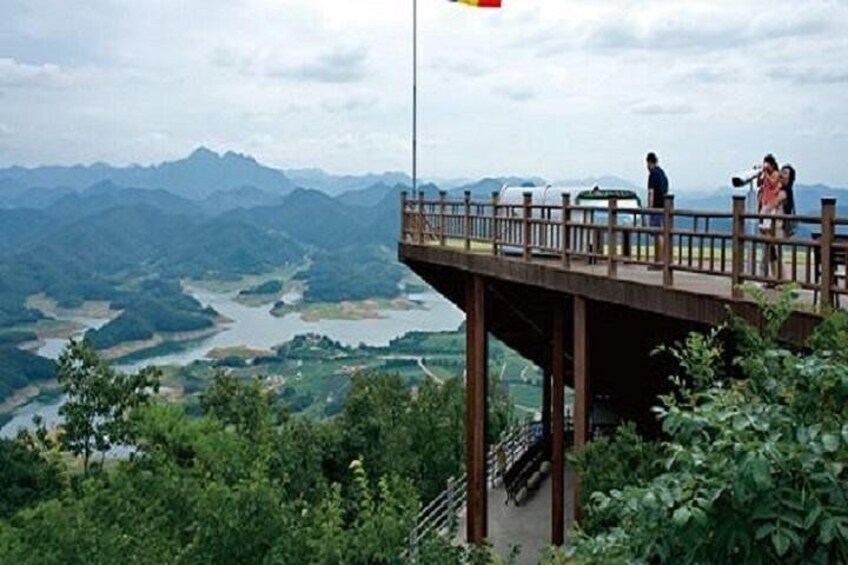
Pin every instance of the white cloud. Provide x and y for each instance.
(516, 92)
(554, 88)
(339, 65)
(812, 75)
(662, 108)
(352, 103)
(15, 74)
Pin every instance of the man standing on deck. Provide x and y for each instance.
(657, 189)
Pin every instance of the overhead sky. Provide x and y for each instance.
(557, 88)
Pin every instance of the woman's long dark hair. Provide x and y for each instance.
(789, 203)
(771, 161)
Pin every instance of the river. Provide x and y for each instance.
(255, 327)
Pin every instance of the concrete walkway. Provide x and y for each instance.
(528, 525)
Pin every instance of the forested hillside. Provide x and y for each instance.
(94, 245)
(242, 483)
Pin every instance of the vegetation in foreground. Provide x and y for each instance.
(243, 483)
(753, 467)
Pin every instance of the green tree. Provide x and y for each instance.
(245, 406)
(436, 428)
(375, 423)
(99, 401)
(501, 409)
(753, 469)
(25, 477)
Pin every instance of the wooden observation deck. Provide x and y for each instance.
(583, 293)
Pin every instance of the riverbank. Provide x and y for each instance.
(62, 323)
(137, 349)
(254, 332)
(43, 392)
(371, 309)
(238, 352)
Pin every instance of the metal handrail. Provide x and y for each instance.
(440, 514)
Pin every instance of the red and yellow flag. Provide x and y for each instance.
(481, 3)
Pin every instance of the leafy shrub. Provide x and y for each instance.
(754, 470)
(613, 463)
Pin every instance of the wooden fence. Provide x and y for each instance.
(735, 245)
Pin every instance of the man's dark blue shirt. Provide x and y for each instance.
(658, 182)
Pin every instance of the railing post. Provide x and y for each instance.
(668, 248)
(828, 213)
(422, 219)
(495, 201)
(467, 220)
(443, 208)
(566, 231)
(612, 264)
(403, 223)
(413, 544)
(528, 210)
(451, 496)
(738, 249)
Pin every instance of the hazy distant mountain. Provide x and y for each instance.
(106, 195)
(370, 196)
(335, 185)
(221, 201)
(807, 199)
(483, 188)
(448, 183)
(195, 177)
(14, 194)
(604, 181)
(307, 216)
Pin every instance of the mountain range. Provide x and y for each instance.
(197, 176)
(129, 234)
(208, 183)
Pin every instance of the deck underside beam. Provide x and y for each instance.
(476, 408)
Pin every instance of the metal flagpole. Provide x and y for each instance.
(415, 98)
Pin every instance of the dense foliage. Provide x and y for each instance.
(609, 463)
(12, 309)
(14, 337)
(753, 470)
(352, 274)
(243, 483)
(20, 368)
(25, 477)
(98, 401)
(268, 287)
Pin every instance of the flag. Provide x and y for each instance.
(481, 3)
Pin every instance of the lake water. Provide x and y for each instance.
(255, 327)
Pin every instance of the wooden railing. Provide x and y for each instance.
(734, 245)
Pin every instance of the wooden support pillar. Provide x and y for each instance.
(558, 423)
(828, 213)
(468, 220)
(495, 231)
(476, 409)
(612, 238)
(581, 387)
(527, 237)
(668, 247)
(546, 407)
(565, 231)
(738, 248)
(443, 212)
(403, 223)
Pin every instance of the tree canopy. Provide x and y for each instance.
(752, 468)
